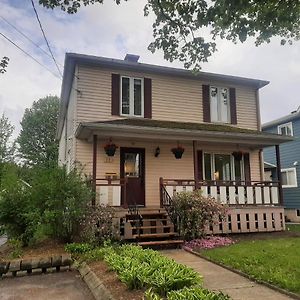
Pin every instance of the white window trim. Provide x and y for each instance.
(232, 166)
(295, 174)
(289, 124)
(131, 97)
(228, 104)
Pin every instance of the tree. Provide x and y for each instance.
(3, 64)
(37, 143)
(7, 146)
(179, 25)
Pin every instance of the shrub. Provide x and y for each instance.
(97, 225)
(62, 199)
(192, 212)
(76, 248)
(18, 217)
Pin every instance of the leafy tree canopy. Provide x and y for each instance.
(37, 143)
(3, 64)
(179, 25)
(7, 146)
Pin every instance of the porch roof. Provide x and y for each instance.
(183, 131)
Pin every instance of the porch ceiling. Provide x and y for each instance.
(165, 130)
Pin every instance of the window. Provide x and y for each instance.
(219, 104)
(132, 96)
(289, 177)
(222, 167)
(286, 129)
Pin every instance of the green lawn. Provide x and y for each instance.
(276, 261)
(293, 227)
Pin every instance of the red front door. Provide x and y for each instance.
(132, 167)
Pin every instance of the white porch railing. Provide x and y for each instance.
(109, 191)
(228, 192)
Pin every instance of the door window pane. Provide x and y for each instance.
(132, 164)
(207, 166)
(137, 97)
(222, 167)
(238, 170)
(125, 95)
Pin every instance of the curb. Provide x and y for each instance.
(269, 285)
(97, 288)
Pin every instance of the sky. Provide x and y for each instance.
(112, 30)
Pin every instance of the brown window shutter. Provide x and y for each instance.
(247, 167)
(147, 98)
(206, 103)
(232, 100)
(115, 94)
(200, 164)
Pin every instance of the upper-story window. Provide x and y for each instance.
(132, 96)
(219, 104)
(289, 177)
(285, 129)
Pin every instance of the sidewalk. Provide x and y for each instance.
(220, 279)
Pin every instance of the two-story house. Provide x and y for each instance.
(288, 125)
(175, 131)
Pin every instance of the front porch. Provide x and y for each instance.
(224, 162)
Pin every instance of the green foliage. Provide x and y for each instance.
(3, 64)
(76, 248)
(97, 225)
(17, 214)
(54, 204)
(62, 200)
(37, 143)
(275, 261)
(139, 268)
(188, 293)
(196, 293)
(180, 27)
(7, 147)
(16, 246)
(192, 212)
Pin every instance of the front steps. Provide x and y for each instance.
(152, 229)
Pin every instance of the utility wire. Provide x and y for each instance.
(25, 52)
(43, 32)
(24, 35)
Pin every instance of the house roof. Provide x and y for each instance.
(168, 130)
(285, 119)
(72, 59)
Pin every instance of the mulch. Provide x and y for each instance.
(113, 284)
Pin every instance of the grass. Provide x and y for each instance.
(276, 261)
(293, 227)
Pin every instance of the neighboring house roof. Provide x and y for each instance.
(72, 59)
(269, 165)
(293, 115)
(163, 130)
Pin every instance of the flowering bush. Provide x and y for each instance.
(97, 226)
(208, 243)
(191, 212)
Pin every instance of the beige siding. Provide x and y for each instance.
(62, 147)
(165, 165)
(173, 98)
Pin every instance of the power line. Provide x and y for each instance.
(25, 52)
(24, 35)
(41, 27)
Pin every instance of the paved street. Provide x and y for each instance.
(59, 286)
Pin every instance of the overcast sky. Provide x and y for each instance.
(112, 31)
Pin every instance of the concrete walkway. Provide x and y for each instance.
(219, 279)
